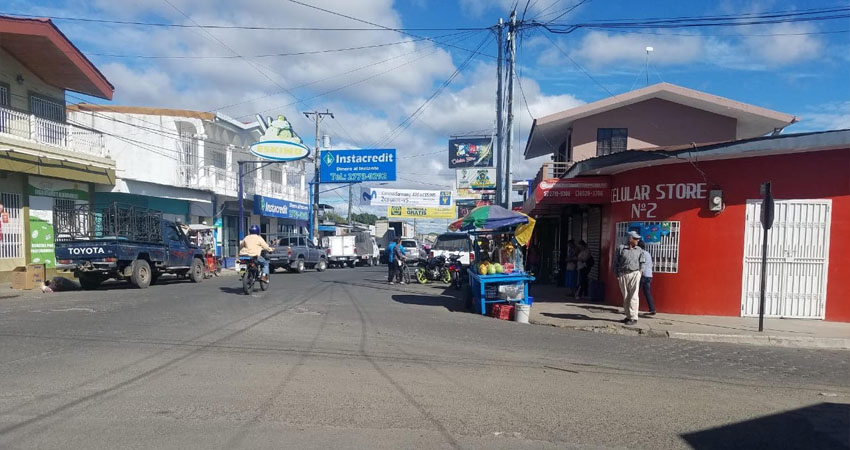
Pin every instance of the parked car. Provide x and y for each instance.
(454, 244)
(126, 243)
(412, 249)
(341, 251)
(367, 248)
(297, 253)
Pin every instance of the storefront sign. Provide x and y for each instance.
(473, 194)
(406, 197)
(573, 190)
(280, 143)
(50, 187)
(352, 166)
(476, 179)
(645, 198)
(282, 209)
(412, 212)
(470, 152)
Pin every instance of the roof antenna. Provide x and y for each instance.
(648, 51)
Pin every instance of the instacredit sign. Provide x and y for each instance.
(351, 166)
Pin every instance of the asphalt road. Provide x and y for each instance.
(341, 360)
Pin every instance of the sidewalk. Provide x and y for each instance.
(603, 318)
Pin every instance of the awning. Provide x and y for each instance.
(21, 162)
(327, 228)
(553, 193)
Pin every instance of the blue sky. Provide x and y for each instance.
(797, 68)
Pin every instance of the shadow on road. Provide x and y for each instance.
(822, 426)
(577, 317)
(451, 303)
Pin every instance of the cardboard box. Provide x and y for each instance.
(30, 277)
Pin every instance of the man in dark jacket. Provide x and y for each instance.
(399, 257)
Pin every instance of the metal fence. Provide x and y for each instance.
(11, 226)
(665, 253)
(112, 221)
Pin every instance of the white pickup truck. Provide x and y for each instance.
(341, 250)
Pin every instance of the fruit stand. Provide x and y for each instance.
(498, 274)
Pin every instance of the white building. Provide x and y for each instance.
(184, 163)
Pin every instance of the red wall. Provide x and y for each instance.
(711, 245)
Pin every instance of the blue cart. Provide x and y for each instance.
(479, 284)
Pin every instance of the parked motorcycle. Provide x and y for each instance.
(433, 269)
(250, 272)
(456, 271)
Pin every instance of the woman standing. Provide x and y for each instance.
(584, 262)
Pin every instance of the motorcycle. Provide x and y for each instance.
(433, 269)
(250, 272)
(456, 271)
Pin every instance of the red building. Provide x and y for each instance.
(708, 255)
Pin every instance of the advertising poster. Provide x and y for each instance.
(470, 152)
(476, 178)
(42, 248)
(352, 166)
(407, 197)
(413, 212)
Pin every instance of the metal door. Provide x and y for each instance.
(797, 259)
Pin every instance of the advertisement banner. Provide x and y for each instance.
(42, 248)
(470, 152)
(476, 178)
(413, 212)
(280, 143)
(49, 187)
(573, 190)
(352, 166)
(407, 197)
(282, 209)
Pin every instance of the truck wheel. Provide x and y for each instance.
(89, 281)
(322, 265)
(299, 265)
(141, 277)
(196, 273)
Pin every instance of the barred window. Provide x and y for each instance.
(219, 160)
(665, 252)
(611, 140)
(276, 176)
(11, 226)
(47, 109)
(4, 95)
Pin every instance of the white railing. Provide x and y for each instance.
(224, 182)
(48, 132)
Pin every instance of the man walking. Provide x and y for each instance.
(628, 265)
(646, 279)
(390, 262)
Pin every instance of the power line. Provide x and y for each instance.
(228, 27)
(408, 121)
(807, 33)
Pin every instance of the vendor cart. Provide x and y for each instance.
(202, 235)
(498, 274)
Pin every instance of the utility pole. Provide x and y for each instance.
(510, 124)
(318, 115)
(350, 198)
(499, 113)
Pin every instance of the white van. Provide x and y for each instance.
(454, 244)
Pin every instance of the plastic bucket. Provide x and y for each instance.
(521, 312)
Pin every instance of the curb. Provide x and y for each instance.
(775, 341)
(621, 330)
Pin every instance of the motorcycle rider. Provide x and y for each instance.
(253, 245)
(399, 256)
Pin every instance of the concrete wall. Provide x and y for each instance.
(651, 123)
(19, 94)
(711, 246)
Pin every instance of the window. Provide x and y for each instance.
(4, 94)
(453, 243)
(276, 176)
(219, 160)
(171, 234)
(665, 252)
(47, 109)
(11, 228)
(611, 140)
(293, 179)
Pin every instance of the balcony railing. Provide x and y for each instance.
(222, 181)
(48, 132)
(550, 170)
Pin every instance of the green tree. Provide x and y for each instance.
(365, 218)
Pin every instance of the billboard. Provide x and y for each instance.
(352, 166)
(407, 197)
(476, 178)
(274, 207)
(470, 152)
(415, 212)
(280, 143)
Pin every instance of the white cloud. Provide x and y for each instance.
(829, 116)
(598, 49)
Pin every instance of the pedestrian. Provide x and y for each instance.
(584, 262)
(628, 265)
(399, 255)
(390, 263)
(646, 278)
(571, 270)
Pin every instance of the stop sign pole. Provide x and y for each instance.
(767, 208)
